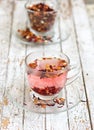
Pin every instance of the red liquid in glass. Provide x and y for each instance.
(46, 80)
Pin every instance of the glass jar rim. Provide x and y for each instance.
(53, 11)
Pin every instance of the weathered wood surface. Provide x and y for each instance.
(86, 51)
(79, 47)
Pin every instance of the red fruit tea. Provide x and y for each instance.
(47, 76)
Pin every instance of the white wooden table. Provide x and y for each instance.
(79, 46)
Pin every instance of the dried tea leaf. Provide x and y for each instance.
(43, 105)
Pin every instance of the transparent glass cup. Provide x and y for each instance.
(47, 85)
(41, 19)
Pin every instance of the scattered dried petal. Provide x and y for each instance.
(59, 101)
(5, 101)
(33, 65)
(5, 122)
(44, 103)
(31, 37)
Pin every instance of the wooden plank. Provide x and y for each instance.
(70, 49)
(5, 31)
(90, 10)
(86, 50)
(12, 114)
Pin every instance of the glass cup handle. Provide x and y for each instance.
(73, 73)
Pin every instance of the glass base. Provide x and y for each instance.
(59, 34)
(68, 98)
(45, 98)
